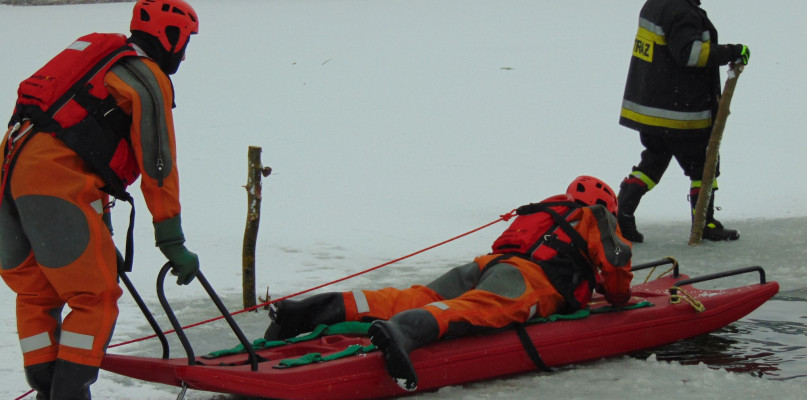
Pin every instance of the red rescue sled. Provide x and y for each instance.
(467, 359)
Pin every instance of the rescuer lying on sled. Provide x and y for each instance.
(549, 260)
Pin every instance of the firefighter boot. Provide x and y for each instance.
(400, 335)
(72, 381)
(40, 377)
(630, 192)
(712, 230)
(290, 318)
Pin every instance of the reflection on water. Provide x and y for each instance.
(771, 343)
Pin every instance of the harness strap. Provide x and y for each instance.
(14, 144)
(560, 220)
(128, 258)
(568, 249)
(577, 240)
(550, 239)
(529, 347)
(533, 208)
(105, 111)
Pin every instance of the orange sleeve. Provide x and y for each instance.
(144, 92)
(608, 252)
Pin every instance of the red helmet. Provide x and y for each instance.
(170, 21)
(590, 191)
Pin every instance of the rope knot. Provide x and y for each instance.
(506, 217)
(677, 294)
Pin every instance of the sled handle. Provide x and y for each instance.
(253, 357)
(170, 312)
(146, 312)
(717, 275)
(663, 261)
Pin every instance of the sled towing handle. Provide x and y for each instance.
(653, 264)
(253, 357)
(677, 285)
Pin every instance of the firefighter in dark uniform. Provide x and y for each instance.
(671, 97)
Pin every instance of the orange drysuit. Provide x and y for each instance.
(55, 247)
(496, 290)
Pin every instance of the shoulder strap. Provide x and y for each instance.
(81, 83)
(533, 208)
(560, 220)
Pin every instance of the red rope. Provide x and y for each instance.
(504, 217)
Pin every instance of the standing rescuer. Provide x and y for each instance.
(67, 150)
(671, 97)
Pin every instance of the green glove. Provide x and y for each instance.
(745, 55)
(170, 240)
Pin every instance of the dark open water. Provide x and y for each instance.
(770, 343)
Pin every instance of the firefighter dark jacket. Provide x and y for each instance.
(673, 83)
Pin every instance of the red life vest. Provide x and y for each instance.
(67, 97)
(527, 234)
(543, 233)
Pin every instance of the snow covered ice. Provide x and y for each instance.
(394, 125)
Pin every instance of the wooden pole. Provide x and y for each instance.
(712, 155)
(254, 187)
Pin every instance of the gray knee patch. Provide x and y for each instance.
(456, 281)
(502, 279)
(57, 229)
(14, 246)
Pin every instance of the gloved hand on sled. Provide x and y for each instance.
(171, 241)
(618, 300)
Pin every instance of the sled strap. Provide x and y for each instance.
(611, 308)
(529, 347)
(579, 314)
(340, 328)
(311, 358)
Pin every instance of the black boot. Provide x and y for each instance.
(400, 335)
(40, 377)
(712, 230)
(290, 318)
(630, 192)
(72, 381)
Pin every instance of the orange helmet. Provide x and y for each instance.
(172, 22)
(590, 191)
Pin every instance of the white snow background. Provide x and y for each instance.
(393, 125)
